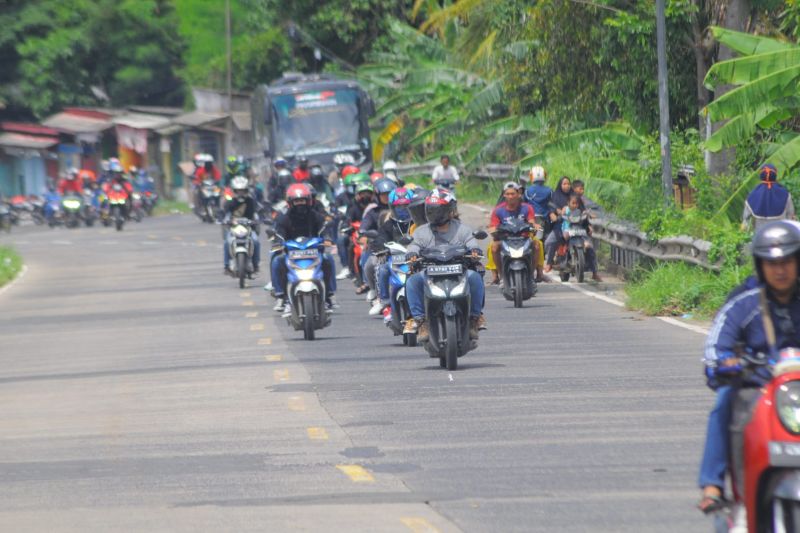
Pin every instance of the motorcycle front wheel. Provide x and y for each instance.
(451, 343)
(241, 268)
(518, 287)
(580, 264)
(307, 308)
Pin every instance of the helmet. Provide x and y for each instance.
(280, 162)
(104, 165)
(198, 160)
(538, 174)
(383, 186)
(72, 173)
(302, 162)
(399, 200)
(440, 207)
(775, 240)
(362, 186)
(512, 185)
(375, 176)
(115, 166)
(296, 191)
(316, 171)
(389, 166)
(239, 183)
(350, 169)
(284, 174)
(768, 173)
(417, 206)
(232, 164)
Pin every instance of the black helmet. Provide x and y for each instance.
(417, 206)
(775, 240)
(302, 162)
(440, 207)
(384, 186)
(316, 171)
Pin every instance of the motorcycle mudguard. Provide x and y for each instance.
(788, 488)
(401, 293)
(449, 308)
(305, 286)
(518, 264)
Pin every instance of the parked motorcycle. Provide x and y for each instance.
(242, 249)
(72, 207)
(447, 301)
(306, 286)
(516, 253)
(766, 474)
(571, 256)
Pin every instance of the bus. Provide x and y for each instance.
(316, 116)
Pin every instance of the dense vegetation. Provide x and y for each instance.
(10, 264)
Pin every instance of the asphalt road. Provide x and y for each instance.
(140, 390)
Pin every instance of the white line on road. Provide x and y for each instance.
(15, 280)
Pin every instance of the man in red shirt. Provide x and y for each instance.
(301, 173)
(510, 208)
(70, 184)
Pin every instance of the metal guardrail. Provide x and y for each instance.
(628, 244)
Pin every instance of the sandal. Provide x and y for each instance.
(362, 289)
(711, 504)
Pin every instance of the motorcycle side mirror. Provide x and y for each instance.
(370, 234)
(480, 234)
(405, 241)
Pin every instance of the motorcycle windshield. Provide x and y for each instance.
(443, 254)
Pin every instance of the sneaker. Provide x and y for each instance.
(287, 309)
(376, 309)
(371, 295)
(548, 269)
(268, 286)
(482, 322)
(227, 271)
(596, 277)
(473, 329)
(343, 274)
(256, 270)
(281, 303)
(411, 326)
(422, 332)
(331, 302)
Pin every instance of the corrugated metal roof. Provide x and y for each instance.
(70, 123)
(242, 120)
(156, 110)
(18, 140)
(198, 118)
(141, 121)
(169, 130)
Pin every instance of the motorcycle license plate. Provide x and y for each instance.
(398, 258)
(579, 232)
(444, 270)
(303, 254)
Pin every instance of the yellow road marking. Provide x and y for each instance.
(151, 236)
(296, 403)
(317, 434)
(280, 374)
(248, 303)
(356, 473)
(256, 327)
(274, 358)
(265, 341)
(253, 314)
(244, 294)
(418, 525)
(201, 243)
(177, 238)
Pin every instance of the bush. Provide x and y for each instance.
(10, 264)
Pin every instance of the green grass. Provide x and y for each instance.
(10, 264)
(677, 288)
(169, 207)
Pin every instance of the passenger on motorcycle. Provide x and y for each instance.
(394, 229)
(741, 326)
(768, 201)
(301, 220)
(70, 184)
(417, 209)
(301, 173)
(442, 228)
(274, 192)
(512, 207)
(558, 203)
(372, 219)
(233, 168)
(207, 172)
(538, 194)
(390, 171)
(242, 205)
(363, 197)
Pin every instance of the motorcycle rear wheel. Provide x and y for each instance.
(241, 268)
(451, 344)
(518, 285)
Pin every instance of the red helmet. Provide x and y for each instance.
(375, 176)
(296, 191)
(350, 169)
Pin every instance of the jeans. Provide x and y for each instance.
(716, 454)
(415, 292)
(226, 250)
(362, 263)
(341, 248)
(370, 272)
(383, 283)
(279, 274)
(550, 245)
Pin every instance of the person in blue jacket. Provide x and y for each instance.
(768, 201)
(539, 195)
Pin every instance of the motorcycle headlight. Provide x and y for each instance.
(787, 398)
(459, 289)
(72, 204)
(239, 231)
(305, 274)
(436, 291)
(515, 253)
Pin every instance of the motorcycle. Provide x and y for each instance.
(241, 246)
(5, 217)
(36, 209)
(137, 207)
(90, 211)
(306, 286)
(447, 301)
(766, 473)
(210, 201)
(571, 256)
(72, 207)
(149, 201)
(399, 270)
(118, 205)
(516, 254)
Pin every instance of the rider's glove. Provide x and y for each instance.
(411, 257)
(728, 364)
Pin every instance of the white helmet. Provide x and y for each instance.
(239, 183)
(538, 174)
(389, 165)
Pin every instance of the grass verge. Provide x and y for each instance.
(675, 289)
(169, 207)
(10, 264)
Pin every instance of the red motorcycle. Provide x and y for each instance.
(118, 202)
(767, 484)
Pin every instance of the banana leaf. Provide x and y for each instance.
(737, 129)
(746, 69)
(746, 43)
(742, 100)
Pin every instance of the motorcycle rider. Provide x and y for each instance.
(445, 175)
(512, 208)
(274, 191)
(118, 178)
(301, 173)
(70, 184)
(390, 171)
(591, 257)
(372, 220)
(742, 324)
(539, 195)
(233, 168)
(442, 228)
(768, 201)
(363, 197)
(558, 203)
(300, 220)
(242, 205)
(394, 229)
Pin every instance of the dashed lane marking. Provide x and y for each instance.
(253, 314)
(177, 238)
(62, 243)
(317, 433)
(266, 341)
(256, 327)
(152, 236)
(248, 303)
(296, 403)
(280, 374)
(244, 294)
(418, 525)
(201, 243)
(274, 358)
(356, 473)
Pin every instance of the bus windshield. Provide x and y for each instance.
(316, 122)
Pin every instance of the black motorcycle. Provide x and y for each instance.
(571, 255)
(516, 253)
(447, 301)
(242, 249)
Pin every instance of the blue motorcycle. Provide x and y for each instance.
(399, 270)
(305, 286)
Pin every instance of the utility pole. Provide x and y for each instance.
(228, 51)
(663, 101)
